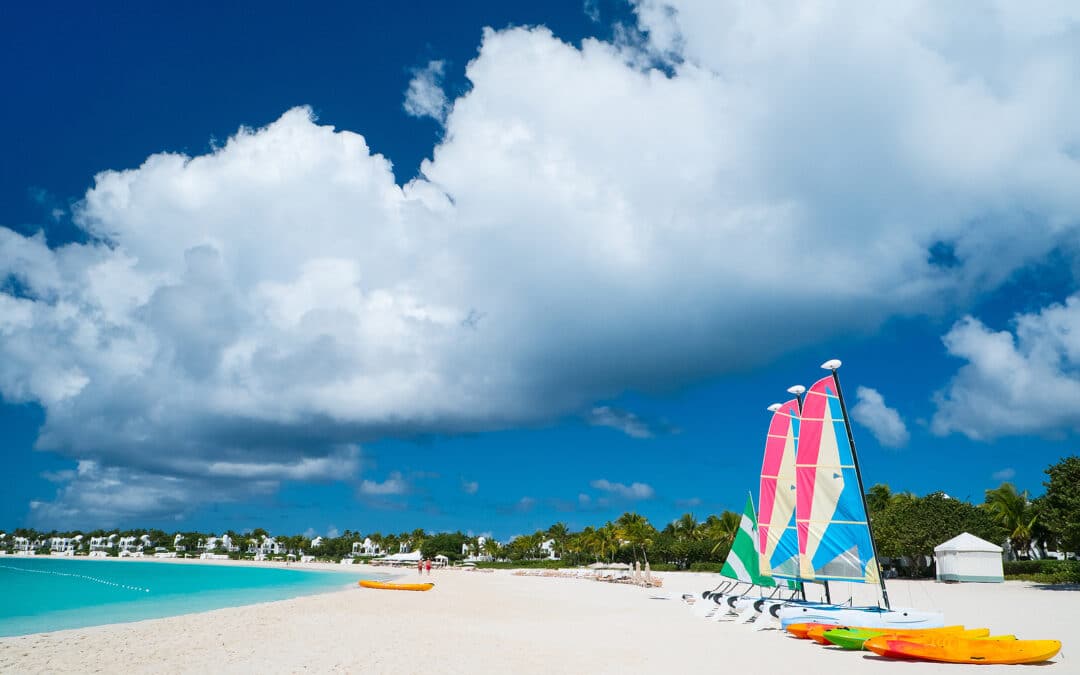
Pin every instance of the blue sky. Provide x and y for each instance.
(489, 266)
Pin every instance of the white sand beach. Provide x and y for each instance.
(476, 622)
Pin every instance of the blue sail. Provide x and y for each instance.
(833, 529)
(778, 543)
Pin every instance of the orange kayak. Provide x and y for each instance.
(960, 650)
(802, 630)
(817, 633)
(386, 586)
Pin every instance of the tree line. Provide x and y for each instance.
(905, 526)
(909, 527)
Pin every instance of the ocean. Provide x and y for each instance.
(39, 594)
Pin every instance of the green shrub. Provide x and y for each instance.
(1025, 566)
(706, 567)
(1044, 571)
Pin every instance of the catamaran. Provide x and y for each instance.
(740, 566)
(835, 542)
(747, 562)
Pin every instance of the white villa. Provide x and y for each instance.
(271, 546)
(547, 550)
(177, 546)
(405, 547)
(24, 546)
(63, 545)
(128, 545)
(368, 548)
(224, 542)
(316, 542)
(476, 553)
(101, 545)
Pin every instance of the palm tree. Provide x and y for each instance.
(559, 533)
(635, 529)
(687, 528)
(1014, 512)
(605, 541)
(722, 529)
(491, 547)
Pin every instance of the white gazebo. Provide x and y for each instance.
(965, 557)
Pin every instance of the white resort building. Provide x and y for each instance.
(271, 546)
(547, 550)
(24, 546)
(476, 552)
(366, 548)
(62, 546)
(100, 546)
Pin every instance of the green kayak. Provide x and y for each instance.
(850, 638)
(853, 638)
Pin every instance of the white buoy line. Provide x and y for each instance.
(105, 582)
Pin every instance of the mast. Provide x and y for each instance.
(834, 365)
(799, 391)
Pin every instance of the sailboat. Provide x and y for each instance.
(778, 544)
(741, 566)
(772, 546)
(835, 542)
(777, 514)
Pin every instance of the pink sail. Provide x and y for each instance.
(777, 541)
(833, 533)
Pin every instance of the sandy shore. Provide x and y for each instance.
(497, 622)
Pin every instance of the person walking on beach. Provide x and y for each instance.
(428, 563)
(420, 567)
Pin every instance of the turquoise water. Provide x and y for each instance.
(47, 594)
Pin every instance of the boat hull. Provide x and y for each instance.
(855, 638)
(865, 617)
(386, 586)
(959, 650)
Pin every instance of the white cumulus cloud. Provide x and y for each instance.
(425, 96)
(395, 484)
(634, 491)
(623, 420)
(588, 226)
(882, 421)
(1008, 473)
(1023, 381)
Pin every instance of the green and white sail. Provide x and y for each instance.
(742, 561)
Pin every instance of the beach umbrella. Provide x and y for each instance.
(648, 573)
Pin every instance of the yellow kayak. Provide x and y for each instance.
(959, 650)
(386, 586)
